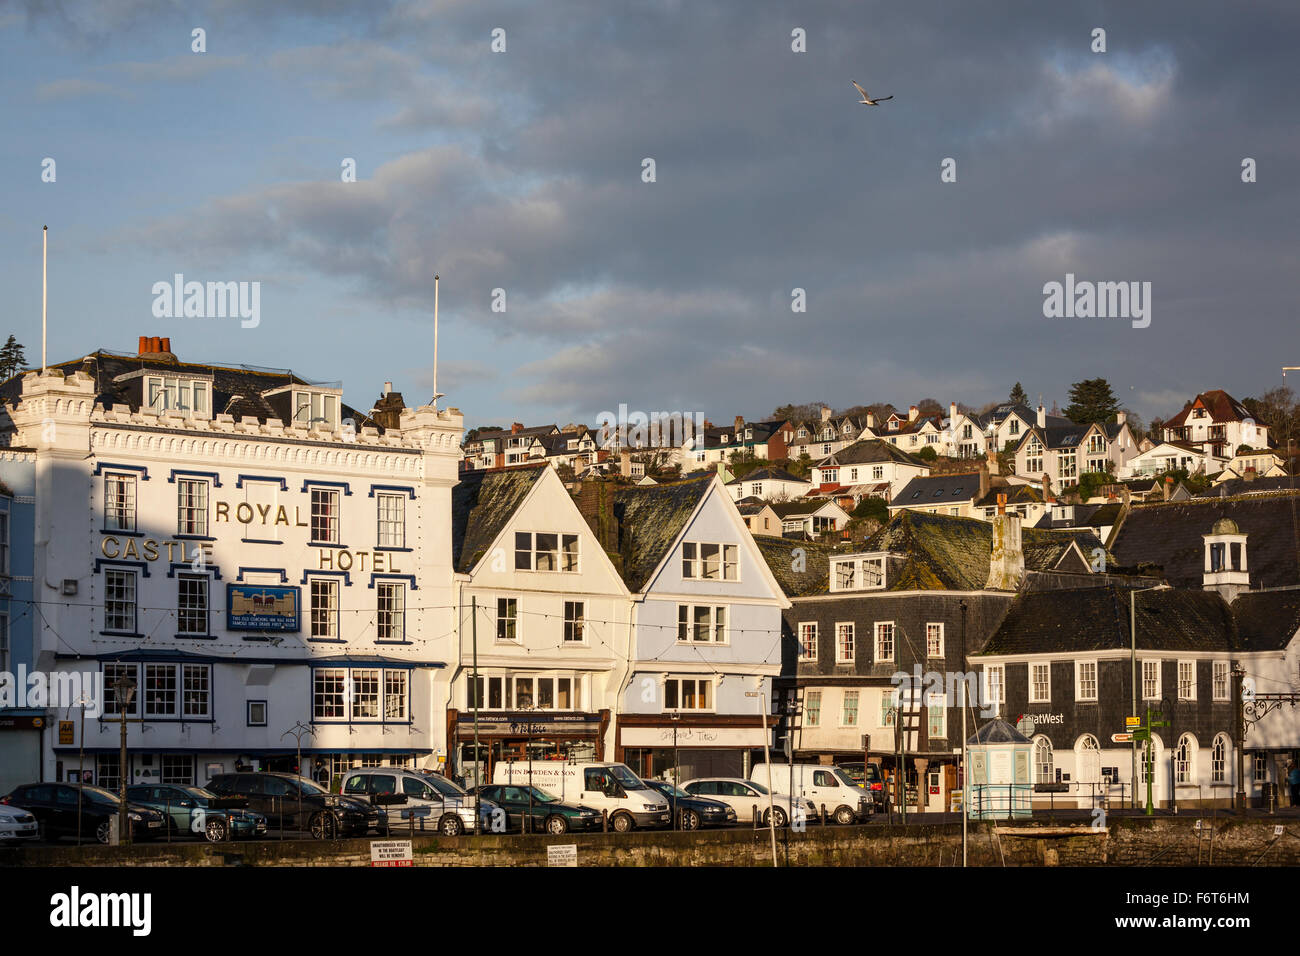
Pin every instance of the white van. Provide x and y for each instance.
(828, 787)
(610, 787)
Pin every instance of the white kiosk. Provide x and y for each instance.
(1001, 787)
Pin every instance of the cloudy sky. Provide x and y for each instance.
(522, 171)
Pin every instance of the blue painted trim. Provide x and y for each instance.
(100, 466)
(186, 473)
(399, 577)
(240, 479)
(239, 578)
(144, 565)
(188, 568)
(345, 575)
(347, 491)
(409, 490)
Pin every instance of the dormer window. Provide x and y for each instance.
(316, 409)
(189, 398)
(861, 572)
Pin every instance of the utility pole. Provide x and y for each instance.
(478, 692)
(1133, 680)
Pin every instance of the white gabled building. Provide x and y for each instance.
(544, 619)
(247, 549)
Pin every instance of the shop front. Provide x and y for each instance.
(685, 746)
(522, 735)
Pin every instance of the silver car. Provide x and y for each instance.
(749, 798)
(17, 825)
(430, 800)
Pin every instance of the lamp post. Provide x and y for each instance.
(767, 757)
(124, 691)
(81, 757)
(1132, 626)
(677, 774)
(299, 730)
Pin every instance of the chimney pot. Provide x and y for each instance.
(144, 344)
(1002, 504)
(155, 344)
(388, 387)
(166, 344)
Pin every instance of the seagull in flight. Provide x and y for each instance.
(867, 100)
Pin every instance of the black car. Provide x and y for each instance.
(544, 811)
(55, 806)
(290, 802)
(693, 812)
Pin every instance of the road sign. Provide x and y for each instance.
(1120, 738)
(391, 853)
(1131, 722)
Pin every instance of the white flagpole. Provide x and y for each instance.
(45, 247)
(435, 341)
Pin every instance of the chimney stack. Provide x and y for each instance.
(157, 348)
(388, 410)
(826, 413)
(388, 387)
(1121, 418)
(991, 461)
(625, 462)
(516, 428)
(1042, 416)
(912, 413)
(952, 413)
(740, 424)
(1167, 488)
(1007, 560)
(1002, 503)
(871, 421)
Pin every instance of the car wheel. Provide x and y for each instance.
(690, 820)
(623, 822)
(104, 832)
(557, 824)
(215, 830)
(451, 825)
(844, 816)
(778, 815)
(323, 827)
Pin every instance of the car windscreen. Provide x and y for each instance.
(668, 790)
(844, 778)
(96, 795)
(308, 787)
(758, 786)
(445, 786)
(541, 796)
(627, 778)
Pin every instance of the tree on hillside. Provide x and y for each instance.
(12, 359)
(810, 411)
(930, 408)
(1091, 401)
(1018, 395)
(1277, 409)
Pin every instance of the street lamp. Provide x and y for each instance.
(299, 730)
(81, 755)
(767, 756)
(1132, 625)
(124, 691)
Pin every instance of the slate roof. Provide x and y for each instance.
(814, 578)
(1255, 486)
(1016, 495)
(651, 517)
(944, 552)
(1095, 619)
(997, 731)
(869, 451)
(769, 474)
(481, 505)
(1168, 534)
(804, 506)
(1267, 620)
(236, 390)
(931, 490)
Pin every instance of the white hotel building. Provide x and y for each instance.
(251, 551)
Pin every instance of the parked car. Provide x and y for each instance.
(291, 802)
(55, 806)
(608, 787)
(747, 797)
(449, 807)
(193, 810)
(544, 811)
(17, 825)
(829, 788)
(869, 778)
(694, 812)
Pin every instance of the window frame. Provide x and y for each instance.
(125, 573)
(127, 507)
(390, 531)
(804, 654)
(930, 652)
(395, 611)
(881, 657)
(1080, 680)
(1034, 697)
(841, 629)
